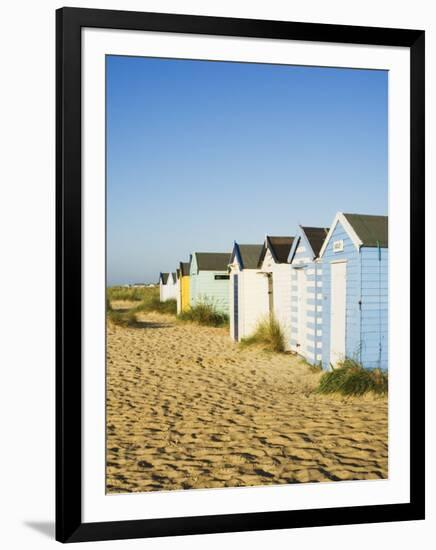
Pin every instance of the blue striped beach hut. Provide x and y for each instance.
(306, 293)
(355, 291)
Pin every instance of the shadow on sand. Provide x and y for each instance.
(148, 324)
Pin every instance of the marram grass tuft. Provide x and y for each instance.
(268, 334)
(350, 378)
(204, 314)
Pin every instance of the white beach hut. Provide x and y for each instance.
(274, 265)
(172, 286)
(163, 279)
(248, 290)
(168, 286)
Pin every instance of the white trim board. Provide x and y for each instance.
(348, 228)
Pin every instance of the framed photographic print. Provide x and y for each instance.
(240, 282)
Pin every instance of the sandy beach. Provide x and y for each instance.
(187, 408)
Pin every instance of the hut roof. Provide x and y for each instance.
(371, 230)
(250, 255)
(279, 247)
(164, 278)
(174, 274)
(212, 261)
(316, 237)
(184, 268)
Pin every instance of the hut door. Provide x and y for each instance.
(302, 312)
(338, 302)
(236, 307)
(270, 294)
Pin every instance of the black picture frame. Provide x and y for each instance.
(69, 525)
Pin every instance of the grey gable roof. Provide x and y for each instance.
(316, 237)
(212, 261)
(250, 255)
(371, 230)
(280, 248)
(174, 274)
(164, 278)
(184, 268)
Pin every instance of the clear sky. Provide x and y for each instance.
(200, 154)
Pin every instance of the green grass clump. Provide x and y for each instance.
(205, 314)
(118, 317)
(153, 303)
(268, 334)
(134, 294)
(148, 301)
(350, 378)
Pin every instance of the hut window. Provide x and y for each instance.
(222, 277)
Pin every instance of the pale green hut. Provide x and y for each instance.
(209, 279)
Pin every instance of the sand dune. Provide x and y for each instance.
(187, 409)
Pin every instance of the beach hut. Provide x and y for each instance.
(355, 291)
(163, 279)
(274, 265)
(306, 293)
(248, 290)
(167, 286)
(172, 285)
(209, 280)
(184, 285)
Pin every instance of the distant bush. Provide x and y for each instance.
(205, 314)
(350, 378)
(134, 294)
(268, 334)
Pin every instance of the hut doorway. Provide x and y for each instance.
(338, 301)
(236, 308)
(270, 294)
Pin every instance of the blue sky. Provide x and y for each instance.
(200, 154)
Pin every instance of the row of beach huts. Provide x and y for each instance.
(327, 287)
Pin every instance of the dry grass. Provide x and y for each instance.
(131, 294)
(268, 334)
